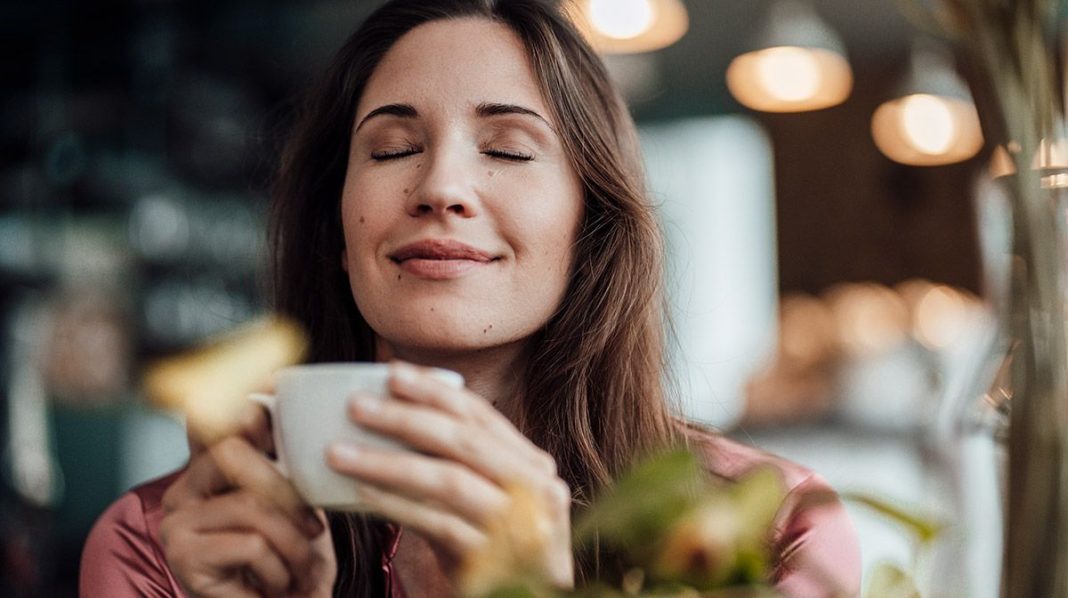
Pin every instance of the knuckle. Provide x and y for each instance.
(454, 536)
(548, 463)
(234, 449)
(172, 498)
(247, 502)
(451, 483)
(175, 554)
(257, 547)
(166, 530)
(465, 442)
(194, 585)
(560, 493)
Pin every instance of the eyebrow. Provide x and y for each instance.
(399, 110)
(487, 109)
(484, 110)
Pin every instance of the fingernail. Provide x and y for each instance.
(367, 403)
(404, 373)
(345, 453)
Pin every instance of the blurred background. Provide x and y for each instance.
(837, 243)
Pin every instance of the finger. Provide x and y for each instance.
(196, 447)
(244, 512)
(244, 467)
(254, 425)
(433, 432)
(418, 385)
(449, 531)
(234, 464)
(211, 564)
(425, 479)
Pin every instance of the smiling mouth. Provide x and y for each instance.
(440, 259)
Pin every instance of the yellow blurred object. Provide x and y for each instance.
(630, 26)
(724, 539)
(702, 545)
(796, 63)
(932, 119)
(515, 546)
(210, 384)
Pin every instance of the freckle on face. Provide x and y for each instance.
(361, 219)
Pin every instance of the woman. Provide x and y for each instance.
(463, 190)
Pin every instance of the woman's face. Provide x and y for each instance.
(460, 208)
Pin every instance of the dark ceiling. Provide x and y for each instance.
(690, 74)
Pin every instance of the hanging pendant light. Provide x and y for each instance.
(933, 120)
(798, 64)
(630, 26)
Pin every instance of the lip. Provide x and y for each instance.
(440, 259)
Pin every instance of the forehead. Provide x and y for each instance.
(454, 63)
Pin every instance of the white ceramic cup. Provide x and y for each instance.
(309, 412)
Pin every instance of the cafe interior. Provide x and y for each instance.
(839, 232)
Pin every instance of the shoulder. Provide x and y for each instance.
(729, 459)
(122, 555)
(816, 549)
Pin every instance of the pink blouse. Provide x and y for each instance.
(816, 547)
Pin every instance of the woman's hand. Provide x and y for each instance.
(234, 526)
(455, 487)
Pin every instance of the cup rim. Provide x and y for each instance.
(357, 367)
(332, 367)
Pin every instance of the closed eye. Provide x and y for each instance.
(393, 154)
(508, 155)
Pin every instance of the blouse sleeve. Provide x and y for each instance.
(122, 558)
(816, 543)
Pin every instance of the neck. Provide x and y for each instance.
(493, 373)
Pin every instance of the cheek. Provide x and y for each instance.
(358, 208)
(547, 229)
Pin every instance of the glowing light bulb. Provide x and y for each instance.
(621, 19)
(941, 317)
(928, 123)
(789, 74)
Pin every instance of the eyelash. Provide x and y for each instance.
(403, 153)
(392, 154)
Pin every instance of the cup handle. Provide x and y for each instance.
(270, 402)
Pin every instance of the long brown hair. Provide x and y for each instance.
(597, 367)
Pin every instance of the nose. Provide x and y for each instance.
(445, 187)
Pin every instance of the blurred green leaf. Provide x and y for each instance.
(890, 581)
(757, 497)
(925, 528)
(645, 502)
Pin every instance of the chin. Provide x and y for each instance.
(443, 331)
(443, 342)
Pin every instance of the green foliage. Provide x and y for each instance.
(684, 533)
(925, 528)
(644, 502)
(889, 581)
